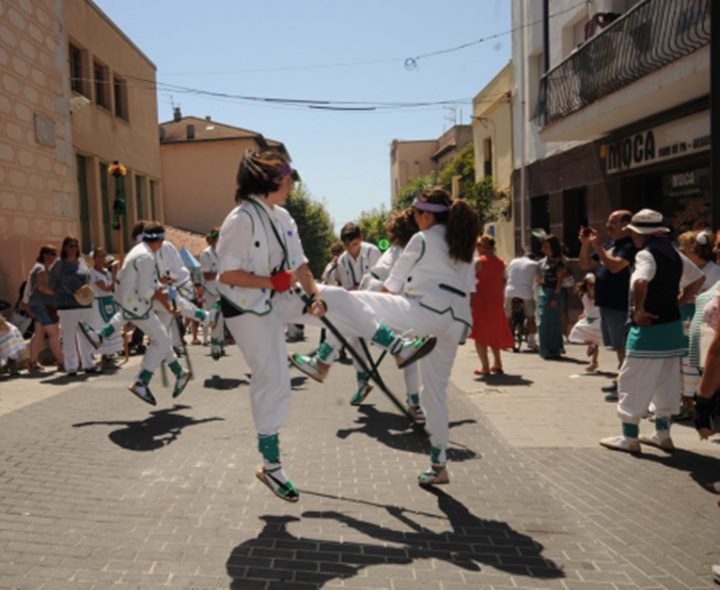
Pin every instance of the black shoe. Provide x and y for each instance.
(611, 397)
(612, 388)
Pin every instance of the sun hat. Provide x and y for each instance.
(647, 221)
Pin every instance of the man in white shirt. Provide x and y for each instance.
(357, 260)
(520, 283)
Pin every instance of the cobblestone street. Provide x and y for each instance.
(98, 492)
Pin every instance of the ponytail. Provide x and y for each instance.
(462, 231)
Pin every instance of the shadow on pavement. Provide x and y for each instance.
(162, 428)
(703, 469)
(65, 379)
(224, 383)
(276, 555)
(297, 382)
(504, 379)
(394, 431)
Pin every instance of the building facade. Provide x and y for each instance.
(616, 117)
(412, 158)
(200, 160)
(37, 188)
(114, 118)
(493, 139)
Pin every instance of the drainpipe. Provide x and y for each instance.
(523, 123)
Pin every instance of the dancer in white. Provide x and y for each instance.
(354, 263)
(209, 264)
(137, 288)
(434, 276)
(260, 256)
(400, 229)
(104, 308)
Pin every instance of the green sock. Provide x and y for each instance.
(630, 430)
(414, 399)
(145, 376)
(107, 330)
(662, 424)
(176, 368)
(325, 353)
(269, 447)
(437, 456)
(383, 337)
(361, 376)
(200, 314)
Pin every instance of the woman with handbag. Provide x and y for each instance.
(39, 299)
(69, 278)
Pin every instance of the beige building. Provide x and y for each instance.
(410, 159)
(112, 85)
(493, 139)
(200, 160)
(37, 188)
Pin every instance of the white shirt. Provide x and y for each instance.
(137, 282)
(520, 278)
(171, 265)
(100, 275)
(351, 270)
(645, 268)
(248, 242)
(209, 263)
(329, 273)
(426, 272)
(712, 276)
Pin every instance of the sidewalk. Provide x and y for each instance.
(98, 490)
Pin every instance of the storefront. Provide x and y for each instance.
(665, 166)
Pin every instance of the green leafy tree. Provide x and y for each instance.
(413, 188)
(372, 224)
(314, 225)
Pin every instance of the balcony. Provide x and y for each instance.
(649, 56)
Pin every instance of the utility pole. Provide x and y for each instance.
(714, 115)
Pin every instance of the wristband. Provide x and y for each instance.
(281, 281)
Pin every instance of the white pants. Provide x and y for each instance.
(642, 381)
(364, 308)
(160, 348)
(73, 342)
(114, 343)
(187, 310)
(218, 332)
(357, 313)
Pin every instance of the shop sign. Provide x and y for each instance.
(682, 137)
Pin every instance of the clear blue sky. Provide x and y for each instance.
(268, 49)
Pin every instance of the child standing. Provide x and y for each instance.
(587, 329)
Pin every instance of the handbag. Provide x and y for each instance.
(84, 296)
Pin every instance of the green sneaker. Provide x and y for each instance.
(364, 388)
(436, 475)
(278, 483)
(309, 366)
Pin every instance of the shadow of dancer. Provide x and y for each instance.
(278, 556)
(393, 430)
(703, 469)
(160, 429)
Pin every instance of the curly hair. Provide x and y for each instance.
(461, 221)
(700, 243)
(401, 227)
(260, 173)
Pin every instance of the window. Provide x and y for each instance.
(101, 75)
(139, 209)
(487, 157)
(78, 74)
(106, 208)
(83, 204)
(121, 99)
(153, 200)
(574, 215)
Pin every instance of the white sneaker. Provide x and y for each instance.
(409, 350)
(181, 383)
(363, 390)
(621, 443)
(309, 366)
(664, 443)
(716, 573)
(436, 475)
(417, 414)
(93, 337)
(143, 392)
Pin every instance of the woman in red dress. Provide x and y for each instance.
(490, 326)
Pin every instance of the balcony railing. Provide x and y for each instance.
(651, 35)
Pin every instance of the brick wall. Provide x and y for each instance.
(37, 188)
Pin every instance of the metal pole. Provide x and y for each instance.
(523, 123)
(714, 115)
